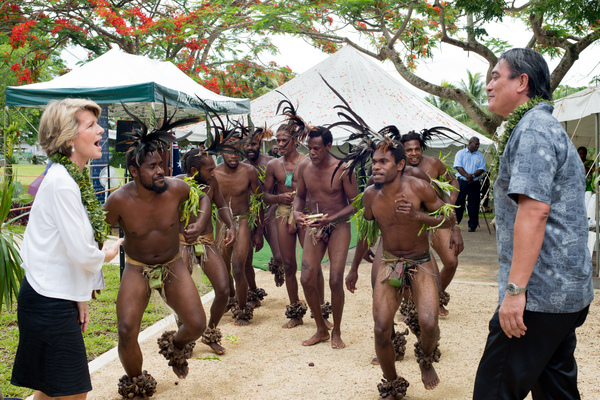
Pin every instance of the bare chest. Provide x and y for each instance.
(286, 179)
(233, 185)
(141, 219)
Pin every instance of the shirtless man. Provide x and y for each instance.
(448, 244)
(330, 197)
(200, 165)
(237, 181)
(259, 162)
(363, 250)
(283, 172)
(401, 205)
(153, 261)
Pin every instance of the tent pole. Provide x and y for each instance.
(597, 140)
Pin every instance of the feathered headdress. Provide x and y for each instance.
(359, 154)
(426, 135)
(297, 128)
(142, 142)
(228, 137)
(261, 133)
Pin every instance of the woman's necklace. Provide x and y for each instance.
(509, 125)
(88, 196)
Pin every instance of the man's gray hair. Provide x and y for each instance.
(531, 63)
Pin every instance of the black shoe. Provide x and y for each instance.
(471, 229)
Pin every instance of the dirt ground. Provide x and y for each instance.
(264, 361)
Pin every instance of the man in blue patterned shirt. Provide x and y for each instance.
(545, 275)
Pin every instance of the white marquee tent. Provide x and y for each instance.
(580, 115)
(375, 95)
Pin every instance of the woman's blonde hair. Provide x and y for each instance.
(59, 124)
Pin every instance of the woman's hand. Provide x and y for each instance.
(84, 315)
(111, 252)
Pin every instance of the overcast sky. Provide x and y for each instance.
(448, 63)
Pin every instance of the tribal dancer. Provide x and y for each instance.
(282, 175)
(259, 162)
(448, 244)
(199, 165)
(237, 182)
(153, 258)
(403, 208)
(328, 228)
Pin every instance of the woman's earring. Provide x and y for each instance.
(72, 148)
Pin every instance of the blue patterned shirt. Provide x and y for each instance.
(540, 161)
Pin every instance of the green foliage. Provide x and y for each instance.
(475, 88)
(444, 211)
(406, 32)
(232, 338)
(367, 230)
(192, 204)
(209, 358)
(214, 41)
(11, 273)
(565, 90)
(100, 337)
(257, 205)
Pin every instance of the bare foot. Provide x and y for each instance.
(429, 377)
(375, 360)
(241, 322)
(181, 371)
(255, 303)
(216, 347)
(279, 281)
(336, 341)
(329, 324)
(292, 323)
(443, 311)
(316, 338)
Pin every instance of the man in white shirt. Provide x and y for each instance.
(470, 165)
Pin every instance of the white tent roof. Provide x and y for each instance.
(579, 113)
(138, 81)
(375, 95)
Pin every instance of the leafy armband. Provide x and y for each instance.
(443, 185)
(256, 205)
(192, 204)
(367, 230)
(446, 210)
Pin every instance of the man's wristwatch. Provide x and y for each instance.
(514, 290)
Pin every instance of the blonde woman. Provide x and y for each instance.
(61, 255)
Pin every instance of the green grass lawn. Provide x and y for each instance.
(100, 336)
(261, 258)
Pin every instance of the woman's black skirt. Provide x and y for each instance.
(51, 355)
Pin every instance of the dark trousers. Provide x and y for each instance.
(541, 362)
(469, 194)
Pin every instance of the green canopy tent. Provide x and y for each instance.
(137, 81)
